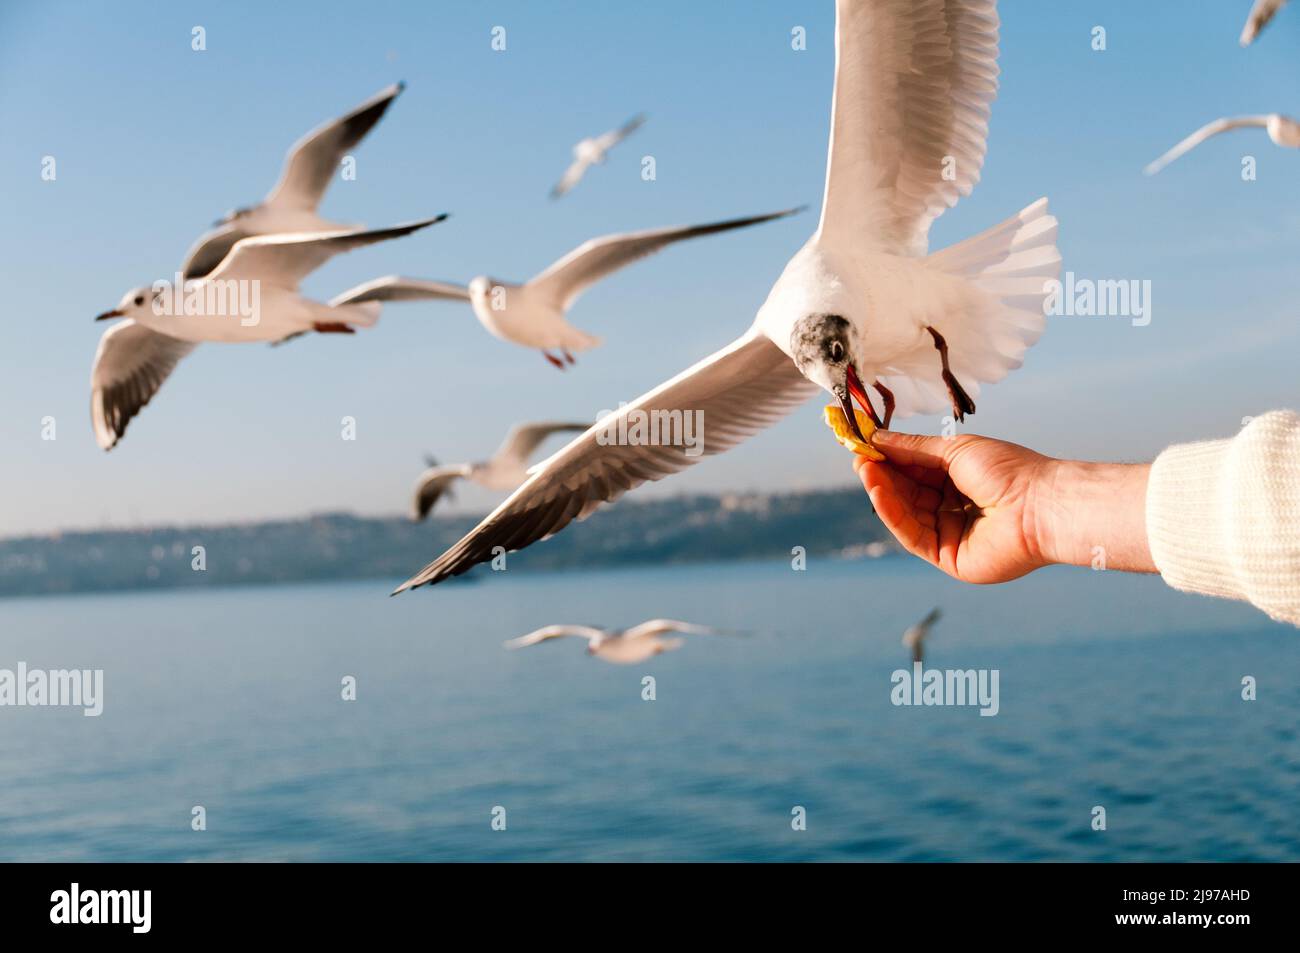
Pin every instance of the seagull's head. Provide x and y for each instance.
(823, 348)
(134, 304)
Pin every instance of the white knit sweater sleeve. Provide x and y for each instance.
(1223, 516)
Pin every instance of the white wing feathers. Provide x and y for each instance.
(914, 85)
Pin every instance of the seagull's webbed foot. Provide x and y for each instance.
(887, 396)
(333, 327)
(961, 401)
(567, 356)
(555, 361)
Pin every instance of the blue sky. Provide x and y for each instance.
(154, 140)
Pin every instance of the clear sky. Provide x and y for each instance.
(154, 140)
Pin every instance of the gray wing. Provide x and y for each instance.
(572, 176)
(284, 260)
(434, 483)
(546, 633)
(740, 390)
(1260, 14)
(211, 249)
(914, 87)
(312, 162)
(662, 626)
(523, 439)
(1200, 135)
(397, 288)
(130, 366)
(563, 281)
(610, 139)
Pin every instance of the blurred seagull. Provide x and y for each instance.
(504, 470)
(251, 296)
(533, 314)
(1283, 130)
(914, 637)
(1260, 14)
(862, 301)
(591, 152)
(291, 206)
(620, 646)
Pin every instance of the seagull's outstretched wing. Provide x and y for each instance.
(1200, 135)
(523, 439)
(653, 627)
(210, 249)
(914, 86)
(546, 633)
(740, 390)
(130, 366)
(284, 260)
(312, 162)
(612, 138)
(397, 288)
(1260, 14)
(572, 176)
(563, 281)
(433, 484)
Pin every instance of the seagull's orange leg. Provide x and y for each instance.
(961, 402)
(555, 361)
(887, 396)
(333, 327)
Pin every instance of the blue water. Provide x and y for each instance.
(1114, 691)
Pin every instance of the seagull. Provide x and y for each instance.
(504, 470)
(914, 637)
(619, 646)
(1260, 14)
(1283, 130)
(591, 152)
(251, 296)
(862, 300)
(291, 206)
(533, 314)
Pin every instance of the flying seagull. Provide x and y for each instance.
(862, 300)
(291, 206)
(914, 637)
(591, 152)
(620, 646)
(251, 296)
(504, 470)
(1260, 14)
(532, 314)
(1283, 130)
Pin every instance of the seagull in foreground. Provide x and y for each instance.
(592, 151)
(251, 296)
(620, 646)
(1283, 130)
(533, 314)
(1260, 14)
(914, 637)
(291, 206)
(862, 301)
(504, 470)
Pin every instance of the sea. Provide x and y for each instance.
(330, 722)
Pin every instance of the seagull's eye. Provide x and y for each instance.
(139, 300)
(837, 351)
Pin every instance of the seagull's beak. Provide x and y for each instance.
(115, 313)
(849, 391)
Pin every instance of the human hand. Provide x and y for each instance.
(985, 511)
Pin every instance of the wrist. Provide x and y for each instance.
(1092, 514)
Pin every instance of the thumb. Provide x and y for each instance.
(910, 449)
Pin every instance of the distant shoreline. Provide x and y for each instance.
(343, 547)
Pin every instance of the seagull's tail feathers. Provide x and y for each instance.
(993, 314)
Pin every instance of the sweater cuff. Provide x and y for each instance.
(1223, 517)
(1187, 519)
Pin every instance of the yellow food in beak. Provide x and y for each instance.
(836, 420)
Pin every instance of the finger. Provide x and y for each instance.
(925, 475)
(897, 513)
(909, 449)
(951, 528)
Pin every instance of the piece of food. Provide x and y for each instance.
(836, 420)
